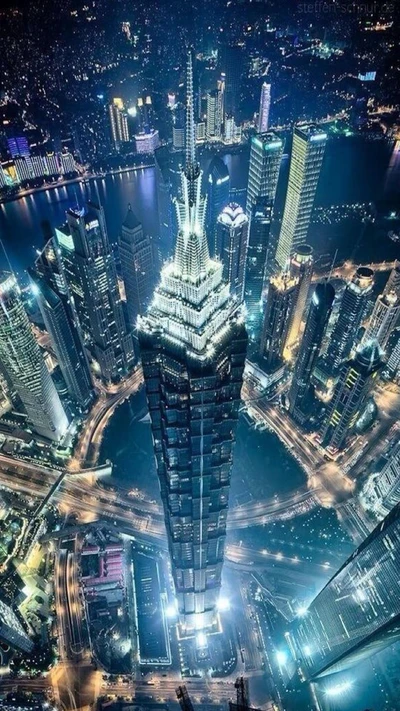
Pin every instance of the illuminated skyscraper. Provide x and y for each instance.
(265, 160)
(350, 395)
(233, 67)
(256, 265)
(265, 105)
(24, 364)
(193, 345)
(357, 613)
(300, 394)
(214, 115)
(90, 271)
(393, 283)
(305, 166)
(384, 318)
(62, 324)
(232, 234)
(11, 631)
(352, 310)
(217, 187)
(137, 266)
(282, 295)
(381, 493)
(118, 123)
(301, 268)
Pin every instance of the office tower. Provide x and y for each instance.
(24, 365)
(300, 394)
(357, 613)
(351, 392)
(167, 169)
(256, 263)
(393, 283)
(214, 115)
(305, 166)
(200, 131)
(91, 275)
(282, 295)
(232, 235)
(301, 268)
(178, 128)
(193, 346)
(217, 186)
(118, 123)
(352, 310)
(265, 105)
(381, 493)
(11, 631)
(232, 133)
(137, 266)
(18, 146)
(265, 160)
(392, 367)
(384, 318)
(233, 68)
(147, 142)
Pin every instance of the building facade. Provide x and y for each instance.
(265, 105)
(301, 268)
(217, 190)
(118, 123)
(258, 250)
(350, 395)
(137, 266)
(232, 236)
(282, 295)
(300, 394)
(90, 271)
(384, 318)
(357, 614)
(193, 346)
(265, 160)
(305, 166)
(24, 365)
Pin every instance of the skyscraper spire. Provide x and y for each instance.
(192, 168)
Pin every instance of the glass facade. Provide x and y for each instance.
(358, 612)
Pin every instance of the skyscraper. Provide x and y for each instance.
(301, 268)
(24, 364)
(137, 266)
(265, 160)
(392, 367)
(217, 187)
(300, 394)
(166, 181)
(381, 493)
(282, 295)
(305, 166)
(193, 346)
(11, 630)
(352, 311)
(232, 235)
(214, 115)
(265, 105)
(357, 613)
(118, 123)
(384, 318)
(257, 255)
(350, 395)
(393, 283)
(91, 275)
(233, 68)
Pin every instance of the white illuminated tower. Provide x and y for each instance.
(265, 105)
(193, 346)
(24, 364)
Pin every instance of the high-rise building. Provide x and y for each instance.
(214, 115)
(166, 190)
(357, 613)
(256, 264)
(301, 268)
(217, 188)
(384, 318)
(282, 295)
(265, 105)
(11, 631)
(137, 266)
(178, 128)
(147, 142)
(193, 345)
(61, 320)
(232, 236)
(351, 392)
(305, 166)
(265, 160)
(24, 364)
(118, 123)
(300, 394)
(90, 271)
(352, 310)
(392, 367)
(393, 283)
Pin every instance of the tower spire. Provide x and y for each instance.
(192, 168)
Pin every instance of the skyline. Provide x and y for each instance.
(199, 357)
